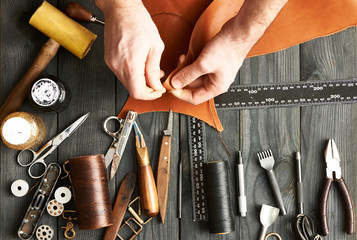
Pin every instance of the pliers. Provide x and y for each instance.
(333, 173)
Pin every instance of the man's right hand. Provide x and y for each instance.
(133, 47)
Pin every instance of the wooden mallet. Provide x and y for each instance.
(62, 31)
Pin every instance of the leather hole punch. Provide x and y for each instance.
(135, 221)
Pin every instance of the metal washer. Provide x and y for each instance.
(55, 208)
(44, 232)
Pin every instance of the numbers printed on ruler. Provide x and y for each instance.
(288, 94)
(197, 159)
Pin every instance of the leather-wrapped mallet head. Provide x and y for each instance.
(65, 31)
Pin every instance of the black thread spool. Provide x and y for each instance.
(219, 201)
(49, 94)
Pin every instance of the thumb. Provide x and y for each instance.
(187, 75)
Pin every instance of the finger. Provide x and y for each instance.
(153, 72)
(194, 96)
(187, 75)
(181, 59)
(136, 84)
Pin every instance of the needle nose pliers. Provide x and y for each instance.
(333, 173)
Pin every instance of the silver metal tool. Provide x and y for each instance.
(268, 215)
(266, 160)
(116, 149)
(39, 201)
(38, 158)
(242, 199)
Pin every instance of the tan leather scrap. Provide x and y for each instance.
(299, 21)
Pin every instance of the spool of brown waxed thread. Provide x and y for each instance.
(21, 130)
(91, 193)
(219, 201)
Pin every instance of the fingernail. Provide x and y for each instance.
(176, 83)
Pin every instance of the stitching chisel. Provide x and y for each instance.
(163, 169)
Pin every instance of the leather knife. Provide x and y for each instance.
(163, 169)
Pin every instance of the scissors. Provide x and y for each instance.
(116, 149)
(39, 156)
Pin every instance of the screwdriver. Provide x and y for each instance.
(78, 12)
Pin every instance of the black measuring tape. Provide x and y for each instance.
(260, 96)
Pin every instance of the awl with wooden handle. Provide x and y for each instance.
(78, 12)
(147, 187)
(163, 169)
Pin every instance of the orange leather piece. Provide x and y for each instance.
(298, 21)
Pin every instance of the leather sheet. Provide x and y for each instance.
(298, 21)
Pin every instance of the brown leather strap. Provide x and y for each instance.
(324, 198)
(350, 219)
(121, 203)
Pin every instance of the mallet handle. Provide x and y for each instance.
(19, 93)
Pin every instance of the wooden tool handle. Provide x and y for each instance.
(163, 175)
(76, 11)
(348, 204)
(19, 93)
(323, 203)
(121, 203)
(148, 192)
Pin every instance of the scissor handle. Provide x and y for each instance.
(21, 157)
(39, 161)
(112, 134)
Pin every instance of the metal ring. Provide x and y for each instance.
(273, 234)
(113, 134)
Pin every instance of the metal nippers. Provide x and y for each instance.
(333, 174)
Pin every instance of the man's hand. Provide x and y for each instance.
(218, 63)
(133, 47)
(212, 73)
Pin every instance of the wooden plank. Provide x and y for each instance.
(93, 90)
(276, 129)
(20, 44)
(332, 57)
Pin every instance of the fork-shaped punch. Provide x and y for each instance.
(266, 160)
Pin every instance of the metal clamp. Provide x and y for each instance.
(135, 219)
(69, 232)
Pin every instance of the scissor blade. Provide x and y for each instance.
(109, 156)
(69, 130)
(168, 131)
(115, 165)
(73, 127)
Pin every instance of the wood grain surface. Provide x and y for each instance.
(284, 130)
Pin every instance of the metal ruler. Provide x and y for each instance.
(197, 146)
(288, 94)
(260, 96)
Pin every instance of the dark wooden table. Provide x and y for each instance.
(285, 130)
